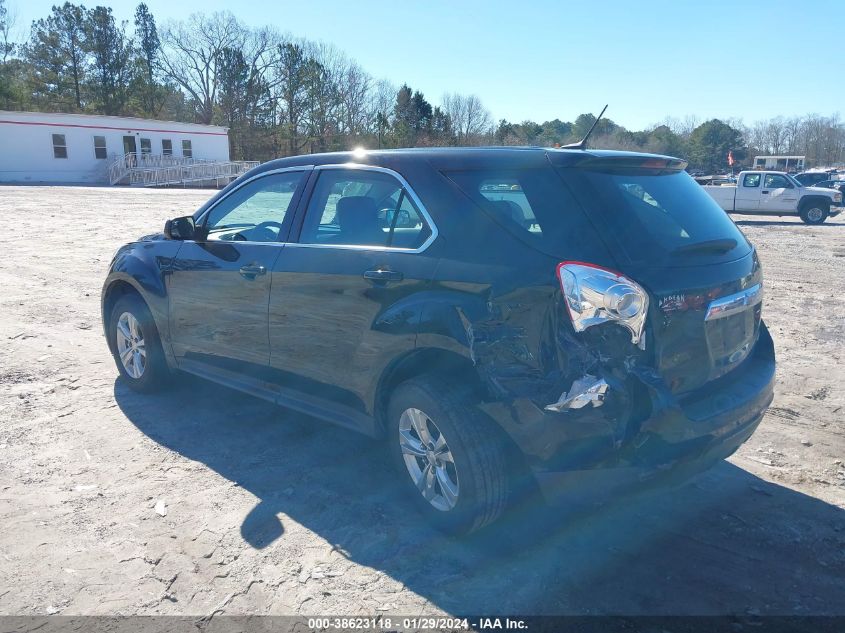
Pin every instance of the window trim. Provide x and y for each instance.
(190, 149)
(53, 146)
(201, 219)
(363, 247)
(149, 150)
(163, 152)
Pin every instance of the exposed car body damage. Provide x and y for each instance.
(534, 365)
(587, 390)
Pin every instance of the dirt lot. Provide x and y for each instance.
(271, 512)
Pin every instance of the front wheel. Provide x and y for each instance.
(451, 458)
(815, 213)
(136, 346)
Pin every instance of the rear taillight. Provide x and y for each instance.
(596, 295)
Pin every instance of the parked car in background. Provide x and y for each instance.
(810, 178)
(725, 179)
(776, 193)
(839, 185)
(505, 318)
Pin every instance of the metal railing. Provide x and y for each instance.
(160, 170)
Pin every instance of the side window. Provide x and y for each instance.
(776, 181)
(59, 146)
(256, 211)
(537, 207)
(146, 146)
(751, 180)
(187, 149)
(166, 147)
(508, 201)
(361, 207)
(100, 147)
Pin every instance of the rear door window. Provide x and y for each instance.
(363, 207)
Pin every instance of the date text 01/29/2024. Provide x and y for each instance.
(416, 623)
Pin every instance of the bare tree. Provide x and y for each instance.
(354, 86)
(260, 50)
(323, 119)
(792, 133)
(191, 53)
(470, 119)
(820, 139)
(757, 137)
(681, 127)
(776, 135)
(380, 110)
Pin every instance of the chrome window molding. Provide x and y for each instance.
(363, 247)
(355, 247)
(202, 218)
(726, 306)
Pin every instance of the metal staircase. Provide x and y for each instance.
(160, 170)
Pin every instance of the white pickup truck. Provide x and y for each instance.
(776, 193)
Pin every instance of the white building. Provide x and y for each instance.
(79, 148)
(780, 163)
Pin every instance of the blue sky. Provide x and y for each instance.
(546, 59)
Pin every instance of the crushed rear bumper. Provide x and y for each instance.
(680, 439)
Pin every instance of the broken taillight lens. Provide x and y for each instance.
(596, 295)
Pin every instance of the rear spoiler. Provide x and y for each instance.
(638, 163)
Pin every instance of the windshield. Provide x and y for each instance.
(794, 182)
(657, 217)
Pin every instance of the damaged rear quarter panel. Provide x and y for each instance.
(515, 331)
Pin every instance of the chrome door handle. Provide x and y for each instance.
(383, 276)
(252, 271)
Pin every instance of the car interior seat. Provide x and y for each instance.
(357, 217)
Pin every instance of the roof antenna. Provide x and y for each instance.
(582, 144)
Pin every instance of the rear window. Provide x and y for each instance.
(646, 216)
(657, 217)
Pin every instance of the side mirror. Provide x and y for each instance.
(184, 228)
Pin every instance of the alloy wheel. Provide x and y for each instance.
(428, 459)
(815, 214)
(130, 345)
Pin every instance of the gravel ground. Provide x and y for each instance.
(267, 511)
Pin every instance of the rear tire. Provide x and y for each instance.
(451, 459)
(136, 346)
(815, 213)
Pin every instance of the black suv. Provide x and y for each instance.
(501, 316)
(812, 178)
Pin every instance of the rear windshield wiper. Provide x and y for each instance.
(710, 246)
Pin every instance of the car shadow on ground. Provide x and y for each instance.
(726, 542)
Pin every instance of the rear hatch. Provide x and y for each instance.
(667, 234)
